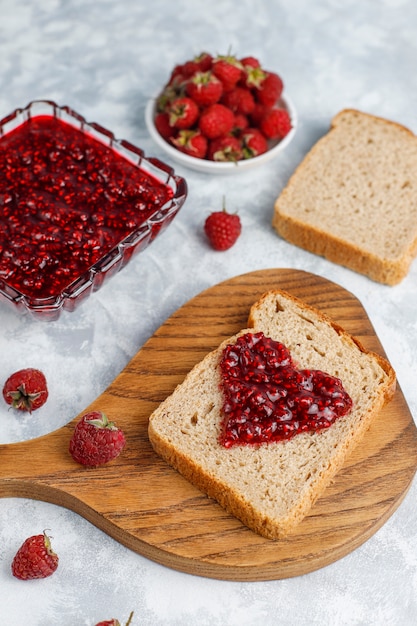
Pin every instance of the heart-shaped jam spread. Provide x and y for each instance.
(266, 398)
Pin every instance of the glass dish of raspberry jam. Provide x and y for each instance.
(75, 205)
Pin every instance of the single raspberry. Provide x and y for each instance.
(95, 440)
(227, 69)
(252, 76)
(241, 122)
(239, 100)
(174, 89)
(189, 68)
(175, 74)
(204, 61)
(204, 88)
(26, 390)
(183, 113)
(270, 89)
(249, 61)
(35, 558)
(115, 622)
(254, 143)
(216, 120)
(276, 124)
(191, 142)
(225, 148)
(258, 113)
(163, 126)
(222, 229)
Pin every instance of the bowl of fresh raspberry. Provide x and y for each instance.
(222, 114)
(76, 205)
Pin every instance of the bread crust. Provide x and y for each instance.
(229, 475)
(345, 248)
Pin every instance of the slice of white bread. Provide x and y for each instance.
(270, 487)
(353, 198)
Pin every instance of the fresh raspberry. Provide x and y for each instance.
(258, 113)
(225, 148)
(250, 62)
(276, 124)
(241, 122)
(163, 126)
(254, 143)
(115, 622)
(252, 76)
(204, 61)
(239, 100)
(26, 390)
(175, 74)
(189, 68)
(227, 69)
(204, 88)
(220, 96)
(174, 89)
(183, 113)
(270, 89)
(222, 229)
(191, 142)
(216, 120)
(95, 440)
(35, 558)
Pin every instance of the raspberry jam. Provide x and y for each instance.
(266, 398)
(66, 200)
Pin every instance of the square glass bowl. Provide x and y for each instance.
(75, 205)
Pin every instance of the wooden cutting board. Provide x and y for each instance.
(145, 505)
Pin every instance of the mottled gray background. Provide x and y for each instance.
(105, 59)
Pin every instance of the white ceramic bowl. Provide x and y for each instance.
(214, 167)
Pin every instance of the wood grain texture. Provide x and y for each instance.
(147, 506)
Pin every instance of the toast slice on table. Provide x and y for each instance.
(270, 486)
(353, 198)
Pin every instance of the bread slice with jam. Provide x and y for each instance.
(271, 485)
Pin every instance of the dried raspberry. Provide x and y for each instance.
(35, 558)
(222, 229)
(215, 121)
(204, 88)
(191, 142)
(276, 124)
